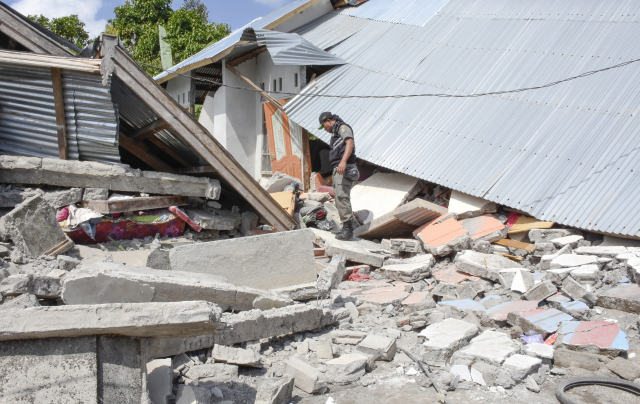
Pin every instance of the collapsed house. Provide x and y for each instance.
(444, 292)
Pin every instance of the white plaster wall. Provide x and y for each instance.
(317, 10)
(268, 72)
(207, 114)
(179, 88)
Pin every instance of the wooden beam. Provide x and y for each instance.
(58, 100)
(246, 57)
(140, 151)
(150, 130)
(207, 76)
(28, 36)
(34, 59)
(130, 205)
(197, 170)
(250, 83)
(516, 244)
(169, 151)
(118, 62)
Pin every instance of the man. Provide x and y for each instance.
(345, 172)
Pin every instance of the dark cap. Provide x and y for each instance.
(323, 117)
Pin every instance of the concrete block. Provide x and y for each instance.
(546, 235)
(521, 366)
(624, 368)
(565, 358)
(303, 292)
(43, 286)
(275, 390)
(483, 265)
(417, 301)
(441, 238)
(210, 374)
(544, 249)
(324, 351)
(404, 244)
(306, 376)
(545, 260)
(385, 295)
(602, 251)
(13, 197)
(558, 275)
(331, 275)
(542, 351)
(571, 241)
(484, 228)
(130, 319)
(348, 368)
(21, 302)
(215, 219)
(267, 261)
(193, 395)
(466, 206)
(409, 272)
(33, 227)
(160, 380)
(622, 297)
(65, 197)
(574, 289)
(95, 194)
(501, 311)
(120, 371)
(490, 346)
(236, 356)
(381, 347)
(606, 336)
(452, 291)
(383, 192)
(446, 337)
(104, 282)
(541, 321)
(572, 260)
(586, 273)
(352, 252)
(249, 222)
(540, 291)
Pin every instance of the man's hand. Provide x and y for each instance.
(341, 167)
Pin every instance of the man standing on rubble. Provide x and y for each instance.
(345, 172)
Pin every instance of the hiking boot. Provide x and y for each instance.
(347, 230)
(336, 229)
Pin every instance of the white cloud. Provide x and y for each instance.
(273, 3)
(86, 10)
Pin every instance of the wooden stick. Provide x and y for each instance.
(150, 130)
(140, 151)
(58, 99)
(250, 83)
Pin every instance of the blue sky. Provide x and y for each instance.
(95, 13)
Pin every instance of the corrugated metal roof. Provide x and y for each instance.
(568, 153)
(409, 12)
(292, 49)
(234, 37)
(28, 120)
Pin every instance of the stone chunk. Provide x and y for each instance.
(379, 346)
(521, 366)
(129, 319)
(543, 351)
(325, 351)
(558, 275)
(21, 302)
(452, 291)
(491, 346)
(622, 297)
(12, 197)
(193, 395)
(67, 263)
(404, 244)
(33, 227)
(408, 272)
(572, 260)
(586, 273)
(572, 288)
(483, 265)
(160, 380)
(95, 194)
(43, 286)
(348, 368)
(441, 238)
(546, 235)
(306, 376)
(210, 374)
(571, 241)
(236, 356)
(545, 260)
(66, 197)
(624, 368)
(540, 291)
(352, 252)
(331, 275)
(541, 321)
(267, 261)
(275, 390)
(446, 337)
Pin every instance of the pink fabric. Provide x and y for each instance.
(513, 217)
(63, 214)
(356, 277)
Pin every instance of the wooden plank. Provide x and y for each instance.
(32, 59)
(401, 221)
(150, 130)
(58, 100)
(527, 223)
(286, 199)
(135, 204)
(169, 151)
(242, 59)
(28, 36)
(140, 151)
(516, 244)
(64, 246)
(197, 170)
(250, 83)
(117, 61)
(306, 162)
(511, 257)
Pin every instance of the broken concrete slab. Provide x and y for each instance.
(85, 174)
(446, 337)
(586, 273)
(546, 235)
(452, 291)
(483, 265)
(542, 351)
(558, 275)
(571, 241)
(417, 301)
(129, 319)
(606, 336)
(385, 295)
(622, 297)
(95, 194)
(540, 291)
(210, 374)
(521, 366)
(466, 206)
(215, 219)
(301, 293)
(485, 228)
(464, 304)
(624, 368)
(267, 261)
(159, 380)
(355, 253)
(541, 321)
(490, 346)
(599, 251)
(572, 260)
(445, 237)
(275, 390)
(43, 286)
(397, 245)
(565, 358)
(574, 289)
(236, 356)
(380, 347)
(33, 227)
(65, 197)
(348, 368)
(331, 275)
(12, 197)
(451, 274)
(402, 220)
(408, 272)
(105, 282)
(324, 238)
(383, 192)
(307, 378)
(21, 302)
(501, 311)
(545, 260)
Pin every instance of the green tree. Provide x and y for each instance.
(69, 27)
(188, 30)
